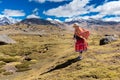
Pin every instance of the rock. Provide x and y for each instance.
(40, 35)
(27, 58)
(108, 38)
(46, 48)
(104, 41)
(4, 39)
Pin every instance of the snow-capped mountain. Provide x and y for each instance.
(38, 21)
(89, 22)
(7, 20)
(58, 23)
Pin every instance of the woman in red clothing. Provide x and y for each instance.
(80, 36)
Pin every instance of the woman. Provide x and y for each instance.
(80, 36)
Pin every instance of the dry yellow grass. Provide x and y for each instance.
(99, 62)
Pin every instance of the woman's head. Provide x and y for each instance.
(75, 25)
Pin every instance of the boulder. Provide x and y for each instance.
(107, 39)
(4, 39)
(104, 41)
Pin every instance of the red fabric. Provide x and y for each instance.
(82, 32)
(81, 45)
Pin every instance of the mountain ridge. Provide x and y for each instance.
(38, 21)
(5, 21)
(92, 22)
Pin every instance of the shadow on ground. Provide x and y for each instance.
(60, 66)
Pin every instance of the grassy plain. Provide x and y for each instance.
(53, 58)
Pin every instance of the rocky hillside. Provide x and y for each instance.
(36, 21)
(33, 25)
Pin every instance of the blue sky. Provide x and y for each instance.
(61, 10)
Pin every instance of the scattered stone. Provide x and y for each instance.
(104, 41)
(27, 58)
(40, 35)
(46, 48)
(108, 38)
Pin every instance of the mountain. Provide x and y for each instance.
(7, 20)
(36, 21)
(57, 23)
(90, 22)
(101, 22)
(97, 26)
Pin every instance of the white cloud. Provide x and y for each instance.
(68, 19)
(35, 11)
(56, 0)
(57, 20)
(74, 8)
(110, 8)
(42, 1)
(13, 13)
(117, 19)
(79, 7)
(49, 19)
(33, 16)
(1, 15)
(39, 1)
(98, 16)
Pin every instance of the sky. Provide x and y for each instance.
(61, 10)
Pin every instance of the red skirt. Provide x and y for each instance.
(81, 45)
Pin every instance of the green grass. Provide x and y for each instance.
(2, 70)
(23, 67)
(8, 59)
(2, 63)
(7, 73)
